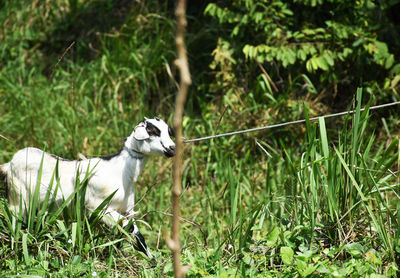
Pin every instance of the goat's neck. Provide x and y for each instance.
(134, 164)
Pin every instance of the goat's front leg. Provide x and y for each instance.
(111, 217)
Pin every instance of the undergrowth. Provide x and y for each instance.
(331, 210)
(317, 200)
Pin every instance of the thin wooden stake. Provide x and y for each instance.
(182, 63)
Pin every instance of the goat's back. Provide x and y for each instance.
(25, 166)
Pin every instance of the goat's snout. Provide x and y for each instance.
(170, 151)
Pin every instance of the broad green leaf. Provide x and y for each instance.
(273, 237)
(287, 255)
(389, 61)
(355, 249)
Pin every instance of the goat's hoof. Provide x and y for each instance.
(153, 262)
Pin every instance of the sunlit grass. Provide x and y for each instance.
(244, 212)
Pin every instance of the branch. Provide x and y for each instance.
(182, 63)
(267, 75)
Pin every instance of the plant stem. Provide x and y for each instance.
(182, 63)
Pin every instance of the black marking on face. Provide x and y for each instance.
(152, 130)
(168, 152)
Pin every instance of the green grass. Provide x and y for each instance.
(327, 208)
(320, 200)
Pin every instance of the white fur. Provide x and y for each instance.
(117, 173)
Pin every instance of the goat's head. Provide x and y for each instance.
(152, 137)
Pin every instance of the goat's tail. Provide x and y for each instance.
(3, 177)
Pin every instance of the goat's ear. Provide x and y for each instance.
(141, 133)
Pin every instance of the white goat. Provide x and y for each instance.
(115, 173)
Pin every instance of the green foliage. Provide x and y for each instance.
(341, 45)
(326, 212)
(72, 86)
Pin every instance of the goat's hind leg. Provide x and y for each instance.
(131, 226)
(140, 242)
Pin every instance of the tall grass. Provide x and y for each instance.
(339, 191)
(342, 182)
(106, 94)
(244, 213)
(53, 234)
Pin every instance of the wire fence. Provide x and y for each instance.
(288, 123)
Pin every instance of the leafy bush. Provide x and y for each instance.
(341, 44)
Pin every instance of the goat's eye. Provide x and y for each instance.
(152, 130)
(171, 132)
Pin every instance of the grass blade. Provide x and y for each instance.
(99, 211)
(381, 229)
(25, 248)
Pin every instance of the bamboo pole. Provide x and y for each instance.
(182, 64)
